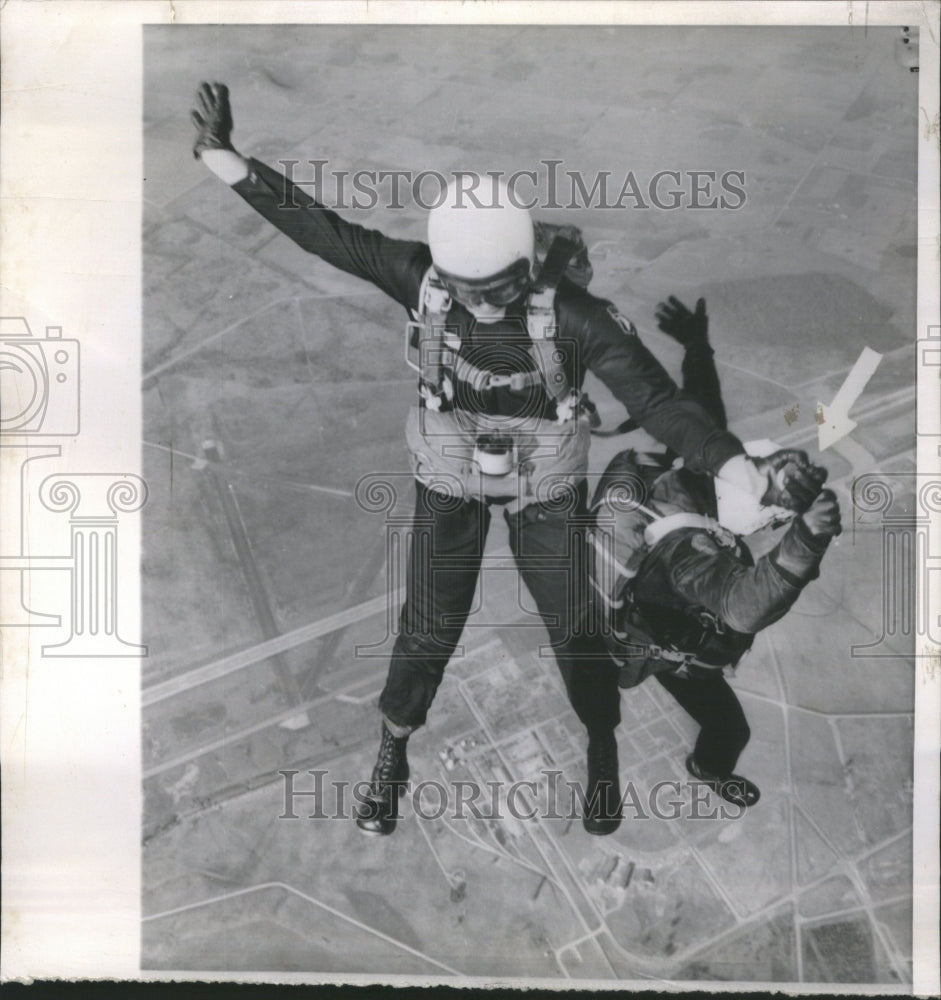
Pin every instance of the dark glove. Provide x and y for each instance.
(823, 515)
(685, 327)
(792, 481)
(212, 118)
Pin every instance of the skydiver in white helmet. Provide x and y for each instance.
(501, 347)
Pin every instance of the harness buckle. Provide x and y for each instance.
(518, 381)
(567, 407)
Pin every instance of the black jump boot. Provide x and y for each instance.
(732, 787)
(603, 801)
(379, 812)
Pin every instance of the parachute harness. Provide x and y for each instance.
(433, 347)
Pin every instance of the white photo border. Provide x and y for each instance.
(70, 179)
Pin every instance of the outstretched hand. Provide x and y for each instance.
(823, 515)
(685, 327)
(212, 118)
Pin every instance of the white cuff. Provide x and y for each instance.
(226, 164)
(740, 471)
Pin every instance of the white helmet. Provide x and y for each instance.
(475, 236)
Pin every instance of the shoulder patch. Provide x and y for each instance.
(627, 327)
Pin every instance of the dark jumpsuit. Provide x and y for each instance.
(690, 569)
(448, 536)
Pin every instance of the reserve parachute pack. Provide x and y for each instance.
(473, 454)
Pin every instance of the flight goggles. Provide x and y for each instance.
(499, 290)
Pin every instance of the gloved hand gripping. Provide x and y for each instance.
(793, 482)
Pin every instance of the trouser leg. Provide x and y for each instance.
(724, 731)
(444, 555)
(549, 546)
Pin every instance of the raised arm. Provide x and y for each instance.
(691, 331)
(612, 350)
(395, 266)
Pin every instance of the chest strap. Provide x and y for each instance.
(480, 379)
(663, 526)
